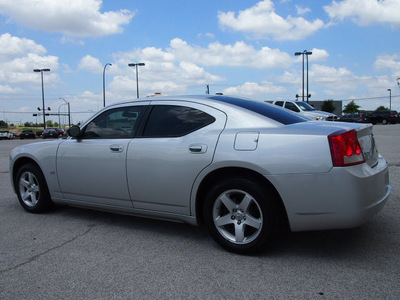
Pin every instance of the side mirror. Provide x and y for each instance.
(74, 131)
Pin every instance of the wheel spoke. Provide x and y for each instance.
(25, 196)
(24, 183)
(244, 205)
(239, 232)
(229, 204)
(31, 178)
(34, 200)
(253, 222)
(224, 220)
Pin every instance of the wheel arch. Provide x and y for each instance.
(231, 172)
(18, 164)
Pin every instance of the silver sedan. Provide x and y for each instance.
(244, 169)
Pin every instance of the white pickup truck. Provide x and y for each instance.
(306, 110)
(6, 135)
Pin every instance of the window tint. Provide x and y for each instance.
(270, 111)
(114, 123)
(174, 121)
(279, 103)
(292, 106)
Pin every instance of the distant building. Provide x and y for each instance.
(337, 104)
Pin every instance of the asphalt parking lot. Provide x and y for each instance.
(73, 253)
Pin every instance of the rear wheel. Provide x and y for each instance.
(32, 190)
(240, 215)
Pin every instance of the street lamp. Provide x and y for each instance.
(104, 83)
(306, 53)
(137, 80)
(390, 99)
(69, 112)
(44, 112)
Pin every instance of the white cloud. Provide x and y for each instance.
(391, 62)
(12, 46)
(181, 66)
(365, 12)
(72, 18)
(261, 21)
(91, 64)
(238, 54)
(302, 10)
(254, 89)
(18, 58)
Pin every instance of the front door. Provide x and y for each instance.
(92, 168)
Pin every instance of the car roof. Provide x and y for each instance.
(262, 108)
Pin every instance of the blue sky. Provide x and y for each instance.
(243, 48)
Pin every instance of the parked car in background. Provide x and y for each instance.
(384, 117)
(60, 132)
(16, 134)
(355, 118)
(244, 169)
(50, 133)
(307, 110)
(6, 135)
(27, 134)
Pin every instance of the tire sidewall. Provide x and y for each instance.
(264, 199)
(44, 202)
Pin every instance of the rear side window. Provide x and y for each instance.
(270, 111)
(175, 121)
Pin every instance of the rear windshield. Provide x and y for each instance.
(270, 111)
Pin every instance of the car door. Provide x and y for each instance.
(92, 169)
(178, 141)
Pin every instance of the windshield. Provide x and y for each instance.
(304, 106)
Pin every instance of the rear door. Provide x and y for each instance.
(177, 142)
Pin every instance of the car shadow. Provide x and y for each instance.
(344, 243)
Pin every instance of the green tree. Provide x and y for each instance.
(351, 108)
(49, 123)
(3, 124)
(328, 106)
(28, 124)
(382, 108)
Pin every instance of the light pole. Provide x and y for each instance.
(104, 83)
(306, 53)
(69, 112)
(390, 99)
(44, 110)
(137, 79)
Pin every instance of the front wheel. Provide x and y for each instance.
(240, 215)
(32, 190)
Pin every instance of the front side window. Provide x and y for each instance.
(115, 123)
(292, 106)
(175, 121)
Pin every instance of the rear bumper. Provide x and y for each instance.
(342, 198)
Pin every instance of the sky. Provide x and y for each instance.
(237, 47)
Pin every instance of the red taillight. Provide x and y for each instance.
(345, 148)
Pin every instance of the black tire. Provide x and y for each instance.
(233, 210)
(384, 122)
(32, 191)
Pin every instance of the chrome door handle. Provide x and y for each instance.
(116, 148)
(198, 148)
